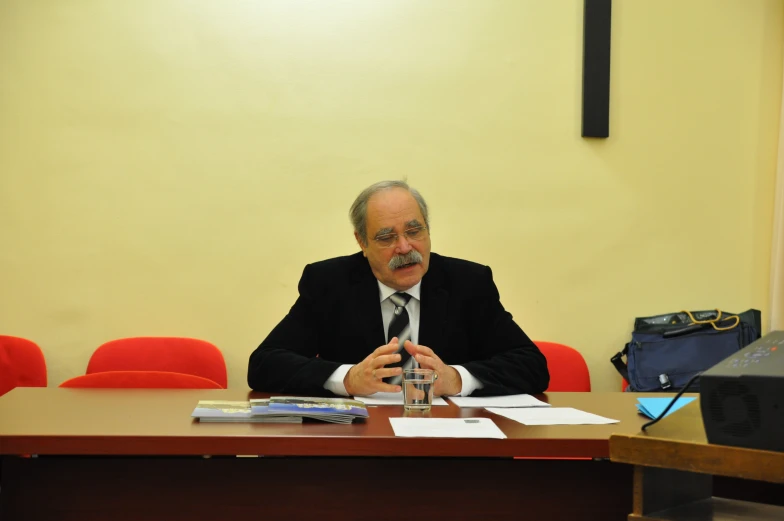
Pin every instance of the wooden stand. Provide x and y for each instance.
(675, 466)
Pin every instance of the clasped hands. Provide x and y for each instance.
(366, 377)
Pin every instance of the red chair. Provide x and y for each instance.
(170, 354)
(22, 364)
(568, 370)
(140, 380)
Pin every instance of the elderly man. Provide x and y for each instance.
(360, 319)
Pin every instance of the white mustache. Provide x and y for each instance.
(412, 257)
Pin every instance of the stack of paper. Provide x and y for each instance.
(551, 416)
(513, 400)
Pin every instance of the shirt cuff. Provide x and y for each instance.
(470, 383)
(335, 381)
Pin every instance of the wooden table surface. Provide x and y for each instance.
(158, 422)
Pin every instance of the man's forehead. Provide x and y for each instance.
(407, 224)
(388, 209)
(389, 224)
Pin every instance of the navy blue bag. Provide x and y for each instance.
(667, 350)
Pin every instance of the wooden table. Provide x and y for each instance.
(127, 454)
(675, 466)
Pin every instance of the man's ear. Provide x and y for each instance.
(361, 245)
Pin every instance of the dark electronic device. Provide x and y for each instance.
(742, 397)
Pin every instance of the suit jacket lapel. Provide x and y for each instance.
(366, 308)
(435, 303)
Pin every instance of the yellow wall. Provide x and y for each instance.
(168, 167)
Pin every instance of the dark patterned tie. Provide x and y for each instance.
(399, 327)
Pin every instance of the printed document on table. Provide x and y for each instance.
(514, 400)
(391, 399)
(552, 416)
(446, 428)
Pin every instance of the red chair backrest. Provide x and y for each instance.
(172, 354)
(22, 364)
(568, 370)
(140, 380)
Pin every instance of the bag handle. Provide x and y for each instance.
(617, 362)
(713, 321)
(697, 325)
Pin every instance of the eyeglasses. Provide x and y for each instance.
(412, 235)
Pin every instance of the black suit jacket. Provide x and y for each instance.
(337, 320)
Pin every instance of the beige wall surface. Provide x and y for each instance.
(168, 167)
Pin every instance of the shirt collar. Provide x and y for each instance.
(385, 291)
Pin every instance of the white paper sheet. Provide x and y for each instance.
(391, 399)
(514, 400)
(552, 416)
(446, 428)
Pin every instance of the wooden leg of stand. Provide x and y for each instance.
(657, 490)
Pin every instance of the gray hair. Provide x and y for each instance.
(358, 211)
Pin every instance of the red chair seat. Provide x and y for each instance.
(140, 380)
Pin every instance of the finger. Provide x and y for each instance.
(381, 361)
(414, 393)
(387, 372)
(428, 362)
(381, 387)
(411, 347)
(391, 347)
(423, 350)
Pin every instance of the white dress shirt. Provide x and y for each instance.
(335, 381)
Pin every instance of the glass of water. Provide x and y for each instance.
(418, 389)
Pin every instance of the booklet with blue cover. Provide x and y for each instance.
(281, 409)
(218, 411)
(334, 410)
